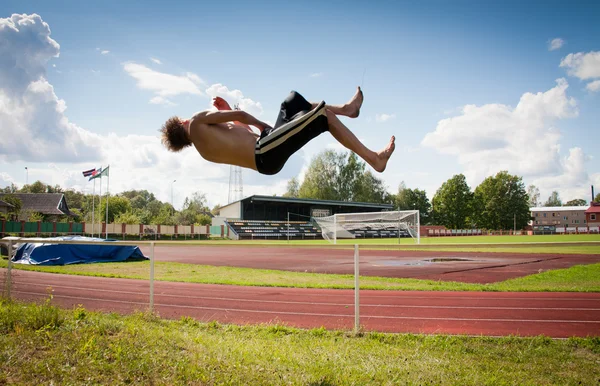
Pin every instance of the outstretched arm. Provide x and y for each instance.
(222, 105)
(213, 117)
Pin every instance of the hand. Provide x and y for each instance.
(261, 126)
(221, 104)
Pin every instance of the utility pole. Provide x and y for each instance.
(172, 196)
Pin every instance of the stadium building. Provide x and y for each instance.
(285, 217)
(565, 219)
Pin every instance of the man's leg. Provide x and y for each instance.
(350, 109)
(377, 160)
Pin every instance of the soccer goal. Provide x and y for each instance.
(393, 224)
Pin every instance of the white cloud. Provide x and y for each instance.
(523, 140)
(582, 65)
(162, 84)
(380, 118)
(104, 52)
(158, 100)
(235, 97)
(33, 125)
(593, 86)
(555, 44)
(315, 75)
(156, 60)
(34, 128)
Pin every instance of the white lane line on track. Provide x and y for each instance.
(327, 315)
(350, 303)
(364, 295)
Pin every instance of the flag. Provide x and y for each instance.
(104, 173)
(99, 173)
(95, 174)
(87, 173)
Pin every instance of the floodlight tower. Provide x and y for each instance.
(236, 185)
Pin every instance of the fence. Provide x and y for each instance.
(38, 228)
(23, 289)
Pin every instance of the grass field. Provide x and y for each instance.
(583, 278)
(408, 242)
(41, 344)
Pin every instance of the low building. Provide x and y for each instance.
(51, 205)
(592, 215)
(275, 208)
(549, 218)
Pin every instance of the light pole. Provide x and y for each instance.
(26, 175)
(172, 195)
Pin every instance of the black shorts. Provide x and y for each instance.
(296, 125)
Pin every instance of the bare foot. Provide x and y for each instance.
(384, 155)
(353, 107)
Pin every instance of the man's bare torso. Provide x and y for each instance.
(225, 143)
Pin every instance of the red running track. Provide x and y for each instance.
(557, 315)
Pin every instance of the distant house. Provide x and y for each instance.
(51, 205)
(553, 217)
(592, 214)
(5, 207)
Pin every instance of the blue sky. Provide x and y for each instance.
(469, 87)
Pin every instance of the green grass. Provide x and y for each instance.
(585, 278)
(408, 242)
(82, 347)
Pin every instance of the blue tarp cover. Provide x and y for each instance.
(63, 254)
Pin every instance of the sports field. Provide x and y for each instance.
(244, 328)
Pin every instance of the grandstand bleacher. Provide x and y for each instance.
(254, 229)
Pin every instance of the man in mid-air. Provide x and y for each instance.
(225, 136)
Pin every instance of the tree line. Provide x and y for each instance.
(129, 207)
(500, 202)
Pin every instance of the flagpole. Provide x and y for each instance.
(107, 186)
(100, 201)
(93, 206)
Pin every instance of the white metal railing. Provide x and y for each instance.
(11, 241)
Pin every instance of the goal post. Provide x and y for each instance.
(390, 224)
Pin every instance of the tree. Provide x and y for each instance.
(533, 193)
(501, 202)
(10, 189)
(36, 187)
(576, 202)
(197, 203)
(553, 200)
(321, 177)
(337, 176)
(597, 198)
(128, 217)
(451, 204)
(16, 203)
(145, 195)
(203, 219)
(409, 199)
(116, 206)
(369, 188)
(293, 187)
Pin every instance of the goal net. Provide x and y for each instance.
(394, 224)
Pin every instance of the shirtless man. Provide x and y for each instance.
(225, 136)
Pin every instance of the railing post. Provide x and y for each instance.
(356, 290)
(152, 277)
(9, 270)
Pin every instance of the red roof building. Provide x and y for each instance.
(592, 214)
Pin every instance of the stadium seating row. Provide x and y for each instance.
(305, 230)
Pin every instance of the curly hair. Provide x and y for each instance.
(173, 135)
